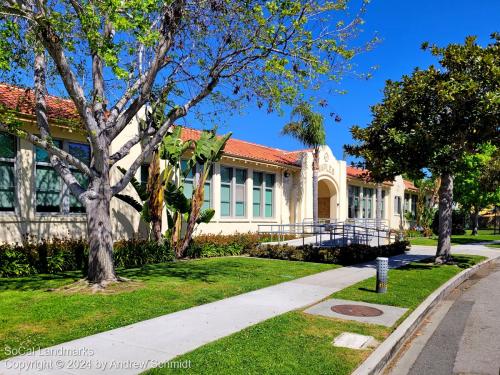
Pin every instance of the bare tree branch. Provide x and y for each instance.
(118, 120)
(174, 115)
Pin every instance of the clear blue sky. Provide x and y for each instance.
(403, 26)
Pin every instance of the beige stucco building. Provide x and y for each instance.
(252, 185)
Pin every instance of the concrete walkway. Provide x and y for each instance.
(140, 346)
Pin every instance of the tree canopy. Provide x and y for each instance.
(113, 58)
(477, 183)
(430, 119)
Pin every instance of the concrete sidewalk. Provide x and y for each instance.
(140, 346)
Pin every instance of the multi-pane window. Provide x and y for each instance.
(8, 152)
(414, 199)
(240, 192)
(407, 206)
(52, 195)
(233, 191)
(263, 194)
(410, 204)
(367, 203)
(360, 202)
(226, 193)
(354, 201)
(383, 204)
(397, 205)
(189, 183)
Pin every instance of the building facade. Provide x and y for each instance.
(252, 184)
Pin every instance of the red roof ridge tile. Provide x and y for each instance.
(29, 89)
(248, 142)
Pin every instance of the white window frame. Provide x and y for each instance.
(232, 185)
(15, 162)
(209, 181)
(349, 187)
(383, 204)
(64, 194)
(397, 205)
(364, 200)
(263, 187)
(361, 199)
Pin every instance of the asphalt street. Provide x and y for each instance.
(462, 335)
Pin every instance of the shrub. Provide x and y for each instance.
(457, 224)
(213, 245)
(67, 254)
(340, 255)
(46, 256)
(13, 262)
(136, 253)
(412, 233)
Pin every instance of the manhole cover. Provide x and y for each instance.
(356, 310)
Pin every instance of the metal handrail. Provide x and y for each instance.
(346, 232)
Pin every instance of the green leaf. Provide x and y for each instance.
(131, 201)
(206, 216)
(138, 187)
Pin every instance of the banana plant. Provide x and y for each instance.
(185, 213)
(141, 207)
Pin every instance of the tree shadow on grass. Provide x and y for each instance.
(208, 272)
(189, 270)
(39, 282)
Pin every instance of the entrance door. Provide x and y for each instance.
(324, 208)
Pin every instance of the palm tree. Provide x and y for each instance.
(307, 127)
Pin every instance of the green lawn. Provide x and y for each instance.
(31, 315)
(409, 285)
(494, 245)
(483, 235)
(298, 343)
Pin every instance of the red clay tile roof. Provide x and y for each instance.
(248, 150)
(356, 172)
(362, 174)
(409, 185)
(22, 101)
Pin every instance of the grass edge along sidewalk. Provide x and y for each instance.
(35, 313)
(296, 342)
(484, 235)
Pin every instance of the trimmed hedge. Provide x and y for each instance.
(67, 254)
(218, 245)
(56, 255)
(59, 255)
(135, 253)
(339, 255)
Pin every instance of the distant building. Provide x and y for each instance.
(252, 184)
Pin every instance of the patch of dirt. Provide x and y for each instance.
(82, 286)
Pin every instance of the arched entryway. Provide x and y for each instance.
(327, 199)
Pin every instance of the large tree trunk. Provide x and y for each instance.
(445, 218)
(101, 266)
(475, 221)
(378, 208)
(315, 183)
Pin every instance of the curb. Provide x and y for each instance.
(381, 356)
